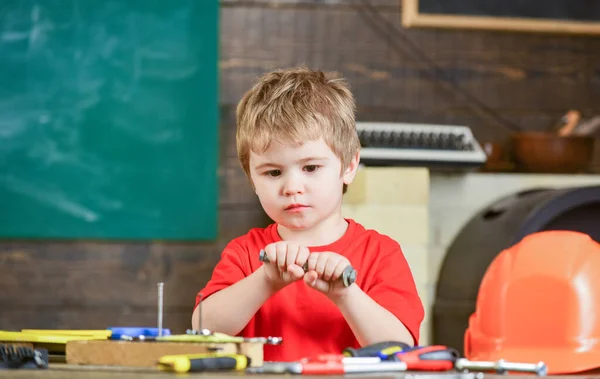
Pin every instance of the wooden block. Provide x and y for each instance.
(404, 223)
(147, 354)
(389, 185)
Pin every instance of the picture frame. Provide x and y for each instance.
(413, 17)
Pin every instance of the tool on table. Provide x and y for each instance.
(136, 333)
(266, 340)
(501, 366)
(374, 350)
(14, 357)
(423, 358)
(200, 331)
(450, 375)
(203, 332)
(216, 337)
(160, 307)
(348, 276)
(329, 364)
(203, 362)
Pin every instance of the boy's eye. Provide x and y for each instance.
(273, 173)
(311, 168)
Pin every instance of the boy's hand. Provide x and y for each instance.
(324, 272)
(285, 262)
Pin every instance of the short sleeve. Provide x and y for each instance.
(394, 289)
(230, 269)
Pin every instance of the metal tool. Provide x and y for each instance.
(200, 331)
(265, 340)
(328, 364)
(160, 308)
(348, 276)
(452, 375)
(206, 332)
(326, 367)
(501, 366)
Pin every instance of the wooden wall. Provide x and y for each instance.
(525, 79)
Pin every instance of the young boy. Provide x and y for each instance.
(297, 142)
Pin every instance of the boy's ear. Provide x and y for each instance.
(350, 171)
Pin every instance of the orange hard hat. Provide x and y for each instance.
(539, 300)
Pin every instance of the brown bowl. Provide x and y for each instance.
(550, 153)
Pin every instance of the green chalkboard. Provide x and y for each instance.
(109, 119)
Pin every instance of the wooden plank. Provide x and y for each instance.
(506, 71)
(147, 354)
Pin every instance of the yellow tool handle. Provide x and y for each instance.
(203, 362)
(61, 332)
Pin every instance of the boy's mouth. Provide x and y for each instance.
(295, 207)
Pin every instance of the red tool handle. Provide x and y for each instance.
(429, 358)
(327, 367)
(324, 358)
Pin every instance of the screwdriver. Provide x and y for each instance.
(501, 366)
(203, 362)
(375, 349)
(423, 358)
(348, 275)
(329, 364)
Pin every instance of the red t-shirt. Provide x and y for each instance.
(308, 321)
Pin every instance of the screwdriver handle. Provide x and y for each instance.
(375, 349)
(182, 363)
(428, 358)
(212, 364)
(348, 275)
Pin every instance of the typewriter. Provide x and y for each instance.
(434, 146)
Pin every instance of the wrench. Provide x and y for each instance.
(348, 276)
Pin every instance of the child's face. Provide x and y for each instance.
(300, 186)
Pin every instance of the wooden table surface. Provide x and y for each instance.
(60, 371)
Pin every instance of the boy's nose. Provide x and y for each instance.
(292, 186)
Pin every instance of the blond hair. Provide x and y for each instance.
(295, 105)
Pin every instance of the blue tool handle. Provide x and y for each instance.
(117, 332)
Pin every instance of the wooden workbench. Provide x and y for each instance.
(90, 372)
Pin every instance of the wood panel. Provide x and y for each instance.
(530, 80)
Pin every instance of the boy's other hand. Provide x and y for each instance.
(285, 262)
(324, 272)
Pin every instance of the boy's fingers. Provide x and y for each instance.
(281, 256)
(302, 257)
(296, 271)
(330, 268)
(318, 284)
(271, 252)
(310, 277)
(321, 261)
(291, 254)
(339, 269)
(312, 261)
